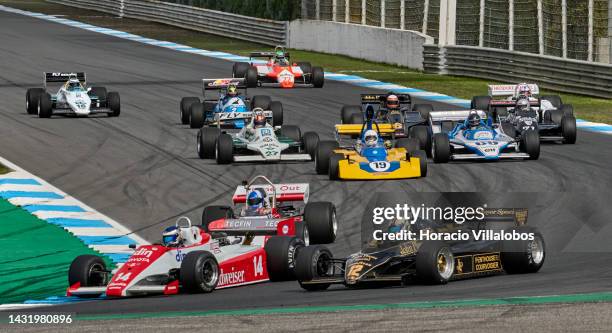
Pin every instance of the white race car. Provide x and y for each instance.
(72, 98)
(255, 142)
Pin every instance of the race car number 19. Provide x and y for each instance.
(379, 166)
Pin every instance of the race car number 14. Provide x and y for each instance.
(379, 166)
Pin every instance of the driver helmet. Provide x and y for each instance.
(473, 120)
(255, 199)
(523, 104)
(171, 236)
(260, 119)
(371, 138)
(392, 102)
(232, 90)
(523, 89)
(73, 84)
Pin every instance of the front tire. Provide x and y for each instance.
(281, 252)
(310, 140)
(196, 115)
(524, 256)
(322, 155)
(320, 217)
(423, 110)
(422, 156)
(45, 106)
(334, 166)
(422, 134)
(114, 104)
(261, 101)
(313, 262)
(32, 97)
(568, 129)
(277, 113)
(224, 149)
(89, 271)
(186, 103)
(435, 263)
(440, 149)
(199, 272)
(207, 140)
(317, 77)
(531, 144)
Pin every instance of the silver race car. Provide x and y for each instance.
(72, 98)
(258, 141)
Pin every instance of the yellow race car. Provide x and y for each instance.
(370, 156)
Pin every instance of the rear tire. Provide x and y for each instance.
(422, 156)
(240, 69)
(213, 213)
(440, 149)
(310, 140)
(99, 92)
(281, 253)
(568, 129)
(347, 112)
(555, 100)
(313, 262)
(186, 103)
(306, 68)
(568, 110)
(261, 101)
(199, 272)
(320, 217)
(32, 97)
(45, 106)
(317, 77)
(251, 78)
(207, 139)
(277, 113)
(480, 103)
(196, 115)
(83, 270)
(357, 118)
(224, 149)
(422, 134)
(323, 154)
(114, 104)
(509, 130)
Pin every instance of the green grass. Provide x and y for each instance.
(589, 108)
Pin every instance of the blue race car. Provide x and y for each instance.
(230, 100)
(464, 135)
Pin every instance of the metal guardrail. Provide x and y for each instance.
(194, 18)
(572, 76)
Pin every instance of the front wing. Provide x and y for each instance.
(359, 170)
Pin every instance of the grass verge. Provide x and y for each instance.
(588, 108)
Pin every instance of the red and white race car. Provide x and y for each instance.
(229, 249)
(278, 71)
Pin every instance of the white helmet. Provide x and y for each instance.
(522, 104)
(370, 137)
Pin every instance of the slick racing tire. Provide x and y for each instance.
(509, 130)
(45, 106)
(422, 156)
(207, 140)
(568, 129)
(301, 232)
(320, 217)
(435, 263)
(213, 213)
(239, 70)
(310, 140)
(357, 118)
(199, 272)
(347, 113)
(334, 166)
(251, 78)
(294, 133)
(224, 150)
(523, 256)
(322, 155)
(32, 97)
(480, 103)
(114, 104)
(281, 254)
(555, 100)
(530, 143)
(99, 92)
(88, 270)
(306, 68)
(440, 149)
(555, 116)
(196, 115)
(422, 134)
(261, 101)
(277, 113)
(409, 144)
(313, 262)
(186, 103)
(423, 110)
(317, 77)
(568, 110)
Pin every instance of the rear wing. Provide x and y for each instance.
(460, 115)
(217, 84)
(265, 55)
(497, 90)
(384, 129)
(222, 117)
(284, 192)
(380, 98)
(56, 77)
(512, 103)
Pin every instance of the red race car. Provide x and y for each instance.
(253, 244)
(278, 71)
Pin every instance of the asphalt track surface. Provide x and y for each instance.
(142, 168)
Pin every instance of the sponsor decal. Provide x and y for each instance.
(180, 255)
(486, 262)
(233, 277)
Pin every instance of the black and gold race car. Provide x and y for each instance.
(457, 254)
